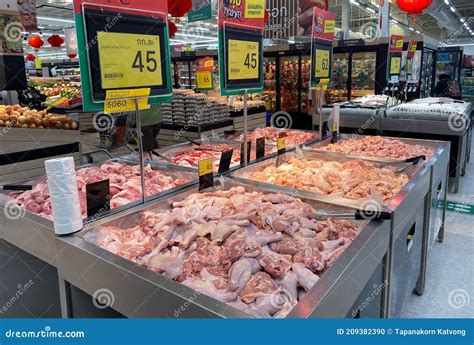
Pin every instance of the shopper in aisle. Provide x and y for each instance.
(151, 120)
(447, 87)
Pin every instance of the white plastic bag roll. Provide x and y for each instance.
(65, 203)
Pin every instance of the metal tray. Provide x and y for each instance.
(244, 175)
(139, 292)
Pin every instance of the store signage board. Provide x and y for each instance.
(412, 45)
(395, 51)
(321, 47)
(123, 47)
(241, 24)
(204, 73)
(201, 10)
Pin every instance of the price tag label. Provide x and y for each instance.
(116, 101)
(225, 161)
(255, 9)
(98, 198)
(260, 147)
(395, 65)
(399, 44)
(129, 60)
(281, 143)
(249, 148)
(204, 80)
(206, 174)
(322, 63)
(329, 26)
(244, 60)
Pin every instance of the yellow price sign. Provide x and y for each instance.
(244, 60)
(129, 60)
(205, 167)
(281, 143)
(117, 102)
(255, 9)
(395, 65)
(204, 80)
(329, 26)
(399, 44)
(334, 126)
(322, 66)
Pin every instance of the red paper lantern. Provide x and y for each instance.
(30, 57)
(172, 28)
(414, 6)
(55, 41)
(178, 8)
(35, 42)
(71, 56)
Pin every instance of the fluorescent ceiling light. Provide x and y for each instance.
(369, 10)
(462, 20)
(418, 32)
(411, 29)
(446, 2)
(56, 19)
(452, 9)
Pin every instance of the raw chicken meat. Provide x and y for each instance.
(125, 187)
(355, 179)
(238, 254)
(378, 147)
(293, 138)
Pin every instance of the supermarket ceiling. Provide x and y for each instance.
(56, 15)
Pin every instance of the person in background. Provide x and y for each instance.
(151, 120)
(447, 87)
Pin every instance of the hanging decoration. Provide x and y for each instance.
(35, 41)
(178, 8)
(30, 57)
(55, 41)
(414, 6)
(172, 28)
(71, 56)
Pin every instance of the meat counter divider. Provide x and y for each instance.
(403, 267)
(439, 179)
(140, 292)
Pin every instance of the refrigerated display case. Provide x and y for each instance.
(340, 77)
(289, 88)
(269, 83)
(426, 73)
(305, 83)
(449, 61)
(183, 71)
(192, 68)
(363, 74)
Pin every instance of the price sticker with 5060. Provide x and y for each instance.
(244, 60)
(118, 101)
(129, 60)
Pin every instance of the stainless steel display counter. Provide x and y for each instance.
(139, 292)
(409, 210)
(439, 178)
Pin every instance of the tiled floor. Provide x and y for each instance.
(449, 291)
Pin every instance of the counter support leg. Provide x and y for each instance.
(65, 298)
(445, 200)
(387, 272)
(420, 284)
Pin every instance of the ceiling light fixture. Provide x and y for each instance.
(56, 19)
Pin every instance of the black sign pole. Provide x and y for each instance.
(245, 128)
(140, 149)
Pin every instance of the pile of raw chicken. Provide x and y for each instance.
(378, 147)
(259, 253)
(125, 187)
(293, 138)
(354, 179)
(193, 155)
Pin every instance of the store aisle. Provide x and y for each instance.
(449, 291)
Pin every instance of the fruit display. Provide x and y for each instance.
(16, 116)
(62, 95)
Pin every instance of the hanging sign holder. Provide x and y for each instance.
(394, 63)
(241, 25)
(322, 37)
(124, 58)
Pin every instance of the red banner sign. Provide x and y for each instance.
(396, 44)
(205, 64)
(324, 24)
(412, 49)
(124, 5)
(238, 13)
